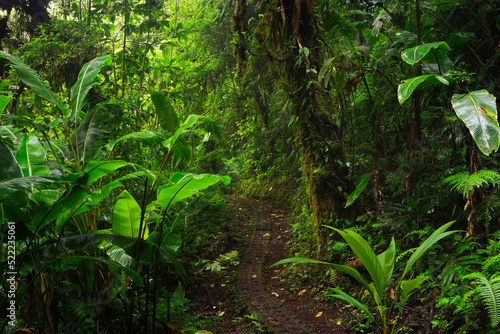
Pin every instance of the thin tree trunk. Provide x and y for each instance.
(80, 10)
(89, 12)
(125, 9)
(63, 5)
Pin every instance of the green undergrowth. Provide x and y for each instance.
(209, 231)
(211, 239)
(284, 194)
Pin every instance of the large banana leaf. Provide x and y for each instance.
(11, 176)
(165, 111)
(127, 217)
(12, 204)
(26, 75)
(10, 131)
(30, 155)
(409, 85)
(86, 78)
(71, 203)
(151, 137)
(478, 111)
(4, 101)
(186, 185)
(147, 249)
(93, 132)
(189, 123)
(97, 169)
(418, 53)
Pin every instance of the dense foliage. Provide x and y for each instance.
(374, 122)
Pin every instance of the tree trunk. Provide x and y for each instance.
(124, 59)
(317, 133)
(89, 12)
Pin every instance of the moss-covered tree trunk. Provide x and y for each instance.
(288, 36)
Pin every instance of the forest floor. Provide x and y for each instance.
(252, 297)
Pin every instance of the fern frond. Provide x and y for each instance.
(419, 232)
(465, 182)
(490, 262)
(490, 293)
(406, 252)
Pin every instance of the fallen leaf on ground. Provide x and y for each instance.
(275, 294)
(301, 292)
(319, 314)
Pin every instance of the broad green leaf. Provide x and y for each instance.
(478, 111)
(10, 131)
(31, 154)
(13, 199)
(187, 185)
(165, 111)
(147, 250)
(119, 255)
(4, 101)
(13, 207)
(344, 296)
(387, 260)
(189, 123)
(151, 137)
(9, 167)
(429, 242)
(26, 75)
(69, 205)
(127, 217)
(408, 86)
(359, 189)
(46, 197)
(86, 79)
(415, 54)
(12, 204)
(92, 133)
(408, 286)
(24, 119)
(367, 256)
(98, 169)
(134, 277)
(170, 241)
(9, 186)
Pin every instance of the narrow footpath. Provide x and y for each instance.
(252, 278)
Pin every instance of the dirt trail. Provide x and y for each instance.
(252, 280)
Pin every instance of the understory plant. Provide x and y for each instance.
(380, 268)
(489, 290)
(63, 209)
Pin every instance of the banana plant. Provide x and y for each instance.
(90, 133)
(380, 268)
